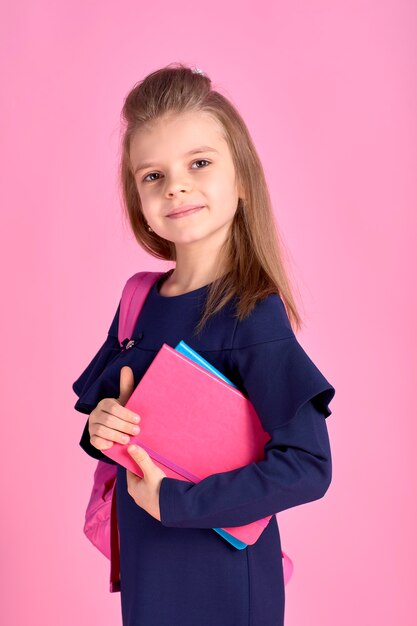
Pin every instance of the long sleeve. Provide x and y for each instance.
(297, 469)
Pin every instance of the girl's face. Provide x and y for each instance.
(184, 160)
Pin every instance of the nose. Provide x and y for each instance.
(173, 187)
(174, 192)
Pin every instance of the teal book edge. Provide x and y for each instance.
(192, 354)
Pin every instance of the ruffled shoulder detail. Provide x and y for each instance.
(107, 352)
(278, 378)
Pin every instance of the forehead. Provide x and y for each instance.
(176, 134)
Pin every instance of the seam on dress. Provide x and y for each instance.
(257, 343)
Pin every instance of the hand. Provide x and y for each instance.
(145, 491)
(110, 421)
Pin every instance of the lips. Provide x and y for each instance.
(185, 210)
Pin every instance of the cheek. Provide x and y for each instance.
(142, 192)
(226, 195)
(222, 189)
(147, 201)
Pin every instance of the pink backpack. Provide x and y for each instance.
(101, 517)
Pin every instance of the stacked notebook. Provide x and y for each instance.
(194, 423)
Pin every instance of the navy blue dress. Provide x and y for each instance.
(178, 571)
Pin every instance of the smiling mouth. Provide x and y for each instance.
(187, 212)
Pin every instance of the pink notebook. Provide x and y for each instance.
(193, 424)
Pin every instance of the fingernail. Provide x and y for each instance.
(125, 438)
(136, 418)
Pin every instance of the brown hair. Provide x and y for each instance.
(253, 254)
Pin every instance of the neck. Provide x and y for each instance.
(196, 264)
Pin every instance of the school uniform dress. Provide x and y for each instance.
(179, 571)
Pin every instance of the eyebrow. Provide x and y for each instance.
(199, 150)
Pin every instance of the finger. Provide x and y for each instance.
(142, 458)
(100, 443)
(113, 406)
(111, 434)
(117, 421)
(127, 383)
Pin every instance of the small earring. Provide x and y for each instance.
(149, 228)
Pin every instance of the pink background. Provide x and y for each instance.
(328, 90)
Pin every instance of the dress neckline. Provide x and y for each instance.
(186, 294)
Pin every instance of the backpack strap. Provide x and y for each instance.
(134, 295)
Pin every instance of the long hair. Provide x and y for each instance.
(253, 256)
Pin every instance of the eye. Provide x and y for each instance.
(153, 173)
(201, 161)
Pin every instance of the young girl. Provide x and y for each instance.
(195, 194)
